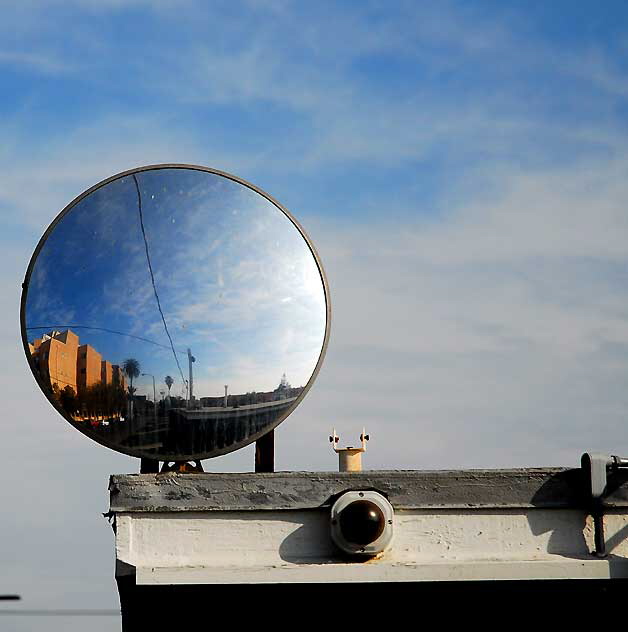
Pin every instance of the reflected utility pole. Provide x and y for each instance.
(191, 359)
(154, 396)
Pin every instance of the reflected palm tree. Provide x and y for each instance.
(169, 382)
(131, 368)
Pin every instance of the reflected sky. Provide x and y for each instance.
(236, 281)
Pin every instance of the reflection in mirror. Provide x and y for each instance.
(174, 313)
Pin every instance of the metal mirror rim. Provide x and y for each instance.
(228, 176)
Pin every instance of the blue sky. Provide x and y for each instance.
(461, 168)
(422, 95)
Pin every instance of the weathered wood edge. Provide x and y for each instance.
(447, 489)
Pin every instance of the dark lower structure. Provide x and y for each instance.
(192, 546)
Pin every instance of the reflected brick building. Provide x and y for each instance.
(61, 360)
(106, 372)
(88, 367)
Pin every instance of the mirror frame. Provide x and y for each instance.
(216, 172)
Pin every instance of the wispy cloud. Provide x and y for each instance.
(41, 62)
(494, 335)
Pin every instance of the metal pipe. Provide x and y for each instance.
(598, 530)
(350, 460)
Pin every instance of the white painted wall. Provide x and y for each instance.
(257, 546)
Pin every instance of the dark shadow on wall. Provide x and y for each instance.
(616, 491)
(559, 506)
(311, 542)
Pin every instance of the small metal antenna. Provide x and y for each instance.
(349, 458)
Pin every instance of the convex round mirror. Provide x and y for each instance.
(175, 312)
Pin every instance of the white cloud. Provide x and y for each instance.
(42, 175)
(43, 61)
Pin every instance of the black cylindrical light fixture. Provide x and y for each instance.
(362, 523)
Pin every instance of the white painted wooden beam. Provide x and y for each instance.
(269, 528)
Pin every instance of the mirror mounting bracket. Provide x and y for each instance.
(187, 467)
(264, 459)
(149, 466)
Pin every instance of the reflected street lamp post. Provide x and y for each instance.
(154, 396)
(191, 359)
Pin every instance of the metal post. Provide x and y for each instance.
(265, 453)
(598, 532)
(350, 460)
(149, 466)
